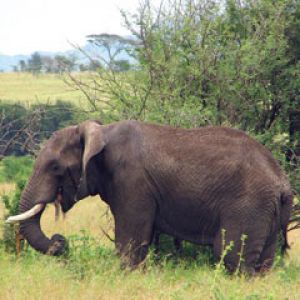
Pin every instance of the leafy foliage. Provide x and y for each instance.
(15, 170)
(207, 62)
(23, 128)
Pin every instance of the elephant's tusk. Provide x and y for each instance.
(26, 215)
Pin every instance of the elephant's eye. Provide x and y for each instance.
(55, 167)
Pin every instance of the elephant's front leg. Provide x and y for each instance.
(133, 236)
(132, 253)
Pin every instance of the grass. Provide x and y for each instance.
(27, 88)
(91, 269)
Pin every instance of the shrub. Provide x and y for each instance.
(13, 168)
(22, 129)
(17, 170)
(11, 203)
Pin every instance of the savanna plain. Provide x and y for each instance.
(90, 268)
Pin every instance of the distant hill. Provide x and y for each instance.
(7, 62)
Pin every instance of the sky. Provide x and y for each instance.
(50, 25)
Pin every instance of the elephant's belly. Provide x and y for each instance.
(190, 230)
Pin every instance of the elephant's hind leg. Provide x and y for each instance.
(226, 247)
(261, 244)
(243, 248)
(253, 247)
(267, 256)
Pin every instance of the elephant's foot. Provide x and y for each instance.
(132, 259)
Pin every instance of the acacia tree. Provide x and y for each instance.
(105, 82)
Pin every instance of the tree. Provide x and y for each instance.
(18, 130)
(121, 65)
(64, 63)
(22, 129)
(22, 65)
(94, 65)
(48, 64)
(35, 63)
(293, 38)
(83, 67)
(111, 46)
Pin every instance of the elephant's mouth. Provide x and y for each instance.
(64, 200)
(39, 208)
(61, 201)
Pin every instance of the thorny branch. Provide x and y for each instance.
(23, 136)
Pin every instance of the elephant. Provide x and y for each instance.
(208, 185)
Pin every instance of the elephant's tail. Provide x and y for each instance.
(286, 202)
(285, 246)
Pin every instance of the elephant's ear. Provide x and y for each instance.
(92, 136)
(93, 142)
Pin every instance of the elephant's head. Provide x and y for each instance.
(59, 175)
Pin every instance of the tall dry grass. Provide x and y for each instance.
(28, 88)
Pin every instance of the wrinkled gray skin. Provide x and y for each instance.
(189, 184)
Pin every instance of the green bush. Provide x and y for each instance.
(13, 168)
(17, 170)
(11, 203)
(23, 128)
(13, 118)
(55, 116)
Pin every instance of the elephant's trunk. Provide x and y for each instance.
(31, 228)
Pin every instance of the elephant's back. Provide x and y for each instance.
(199, 173)
(210, 146)
(213, 162)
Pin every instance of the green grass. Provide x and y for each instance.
(91, 270)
